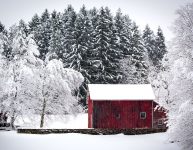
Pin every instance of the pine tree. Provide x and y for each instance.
(19, 31)
(160, 46)
(56, 40)
(127, 28)
(78, 57)
(123, 33)
(104, 68)
(114, 53)
(34, 24)
(2, 28)
(149, 44)
(93, 16)
(138, 56)
(123, 26)
(156, 48)
(4, 42)
(24, 27)
(68, 31)
(44, 34)
(91, 53)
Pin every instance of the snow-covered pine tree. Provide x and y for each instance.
(24, 27)
(56, 41)
(43, 36)
(118, 19)
(68, 31)
(149, 43)
(34, 28)
(78, 58)
(155, 46)
(104, 65)
(135, 66)
(6, 50)
(123, 33)
(93, 16)
(1, 43)
(114, 53)
(34, 24)
(160, 47)
(138, 58)
(2, 28)
(127, 29)
(126, 65)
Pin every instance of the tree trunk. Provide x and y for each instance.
(43, 114)
(13, 115)
(12, 120)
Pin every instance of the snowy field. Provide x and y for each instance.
(10, 140)
(80, 121)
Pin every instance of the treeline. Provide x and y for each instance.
(104, 48)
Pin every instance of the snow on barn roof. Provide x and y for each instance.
(121, 92)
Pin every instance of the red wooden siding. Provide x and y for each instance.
(90, 112)
(120, 114)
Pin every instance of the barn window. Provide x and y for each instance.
(142, 115)
(118, 116)
(160, 122)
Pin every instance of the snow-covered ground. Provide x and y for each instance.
(80, 121)
(10, 140)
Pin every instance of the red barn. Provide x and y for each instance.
(123, 106)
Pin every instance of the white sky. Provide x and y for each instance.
(153, 12)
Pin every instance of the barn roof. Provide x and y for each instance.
(121, 92)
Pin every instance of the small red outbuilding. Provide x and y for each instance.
(123, 106)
